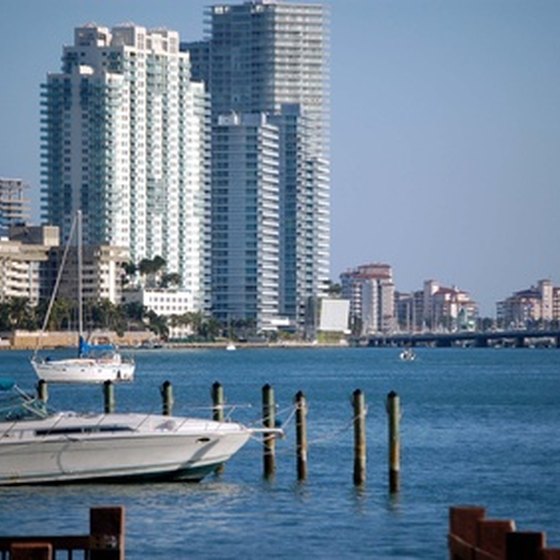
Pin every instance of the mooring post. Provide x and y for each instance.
(109, 396)
(42, 391)
(218, 411)
(106, 529)
(217, 402)
(393, 411)
(269, 441)
(360, 450)
(167, 397)
(301, 435)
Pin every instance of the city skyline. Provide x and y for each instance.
(445, 124)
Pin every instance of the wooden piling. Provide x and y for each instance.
(217, 402)
(301, 435)
(269, 441)
(393, 411)
(106, 527)
(167, 398)
(109, 397)
(42, 391)
(218, 411)
(360, 451)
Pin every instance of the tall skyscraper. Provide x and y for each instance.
(270, 58)
(127, 140)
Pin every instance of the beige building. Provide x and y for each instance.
(25, 262)
(540, 303)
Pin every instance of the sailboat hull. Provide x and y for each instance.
(84, 370)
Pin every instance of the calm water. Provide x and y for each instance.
(478, 427)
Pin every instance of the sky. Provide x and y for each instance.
(445, 128)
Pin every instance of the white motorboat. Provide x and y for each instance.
(407, 355)
(231, 347)
(40, 446)
(94, 363)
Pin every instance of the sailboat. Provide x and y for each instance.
(94, 363)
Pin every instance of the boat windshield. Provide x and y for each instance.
(17, 405)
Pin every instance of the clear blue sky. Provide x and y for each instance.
(445, 128)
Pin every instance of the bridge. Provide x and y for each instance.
(478, 339)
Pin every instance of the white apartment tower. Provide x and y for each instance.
(271, 58)
(126, 139)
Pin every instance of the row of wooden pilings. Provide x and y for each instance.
(269, 422)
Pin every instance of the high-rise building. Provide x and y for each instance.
(269, 57)
(14, 206)
(245, 251)
(127, 140)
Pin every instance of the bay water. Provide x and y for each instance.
(478, 427)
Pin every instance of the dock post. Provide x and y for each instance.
(109, 397)
(42, 391)
(167, 397)
(269, 441)
(301, 435)
(393, 411)
(360, 451)
(106, 529)
(217, 402)
(218, 411)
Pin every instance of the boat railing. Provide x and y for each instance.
(105, 540)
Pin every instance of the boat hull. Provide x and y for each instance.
(84, 370)
(115, 448)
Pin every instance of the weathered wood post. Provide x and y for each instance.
(106, 529)
(108, 397)
(42, 391)
(31, 551)
(217, 402)
(301, 435)
(218, 411)
(167, 397)
(269, 440)
(360, 451)
(393, 411)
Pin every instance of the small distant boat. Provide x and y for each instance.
(407, 355)
(39, 445)
(231, 346)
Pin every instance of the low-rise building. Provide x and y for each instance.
(25, 262)
(540, 303)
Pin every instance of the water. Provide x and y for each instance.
(478, 427)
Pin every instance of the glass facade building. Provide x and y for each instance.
(271, 58)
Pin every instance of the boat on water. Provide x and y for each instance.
(407, 355)
(231, 347)
(94, 363)
(38, 445)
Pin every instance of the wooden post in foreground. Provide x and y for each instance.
(167, 397)
(360, 451)
(106, 529)
(269, 440)
(108, 397)
(393, 411)
(42, 391)
(301, 435)
(31, 551)
(218, 411)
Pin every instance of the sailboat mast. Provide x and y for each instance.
(80, 288)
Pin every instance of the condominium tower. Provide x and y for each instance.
(126, 139)
(269, 59)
